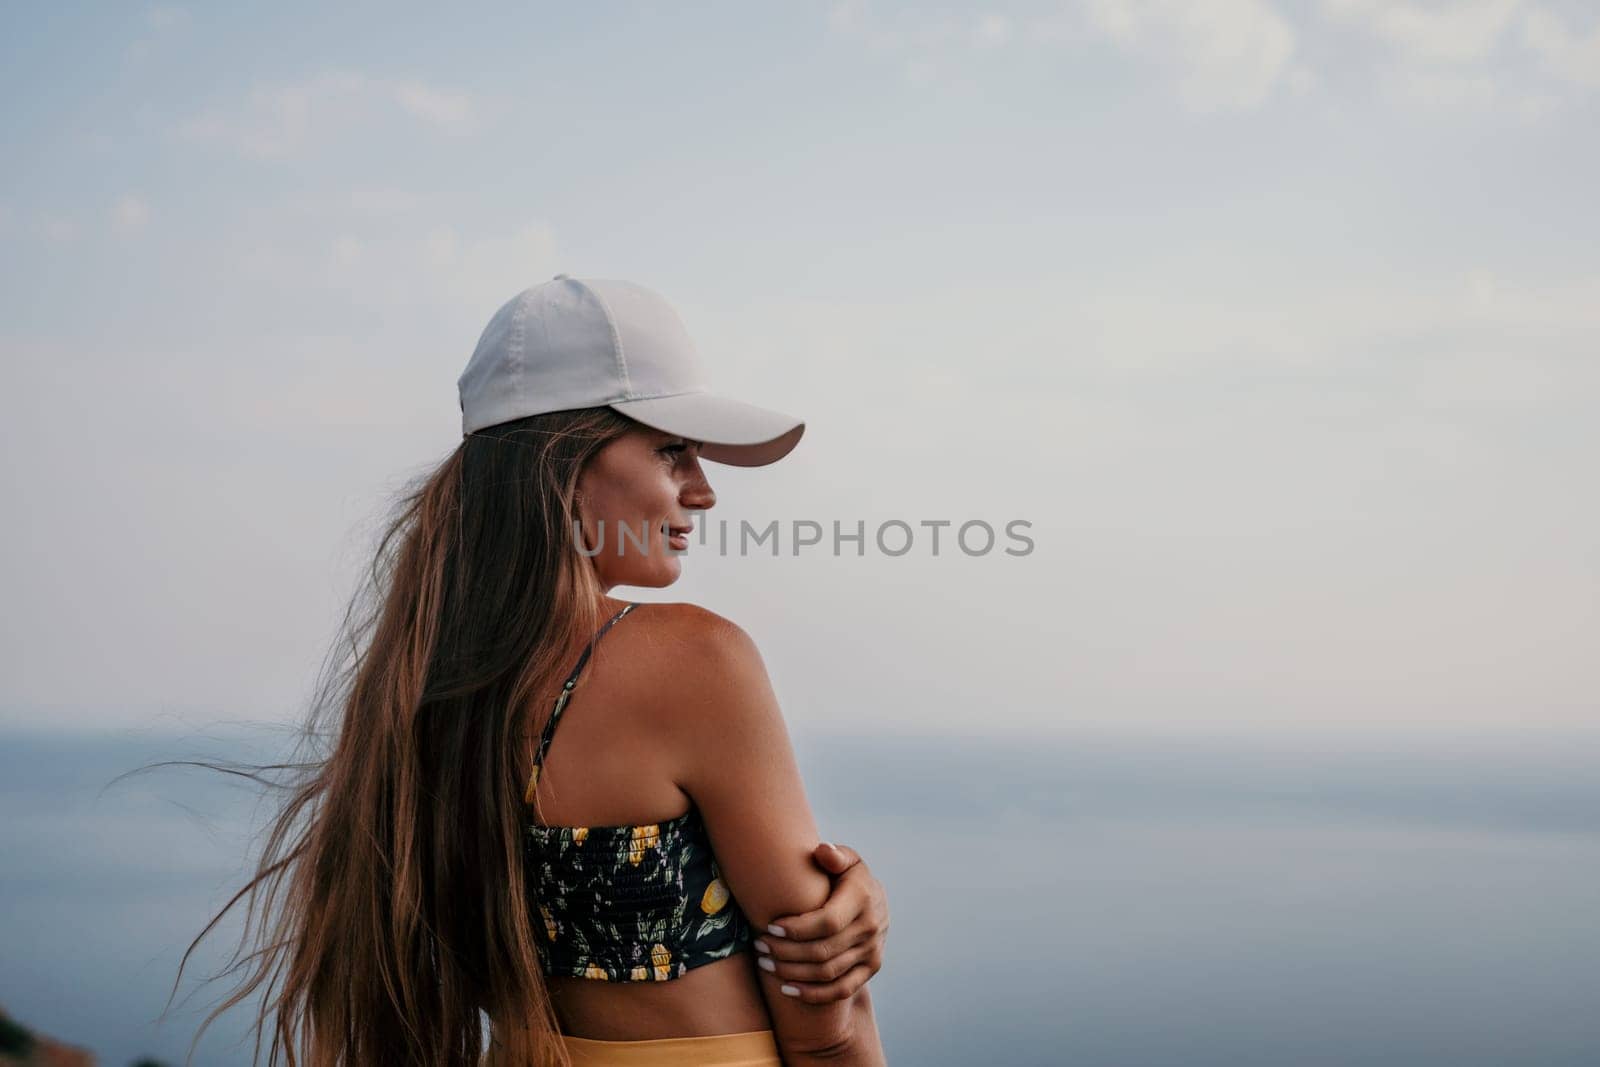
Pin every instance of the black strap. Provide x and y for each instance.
(566, 690)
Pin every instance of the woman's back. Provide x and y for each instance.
(406, 890)
(671, 721)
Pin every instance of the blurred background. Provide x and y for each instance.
(1276, 320)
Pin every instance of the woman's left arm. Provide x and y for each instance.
(830, 953)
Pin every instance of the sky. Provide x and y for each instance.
(1274, 322)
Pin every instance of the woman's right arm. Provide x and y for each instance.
(740, 770)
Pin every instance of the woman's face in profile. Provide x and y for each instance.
(636, 495)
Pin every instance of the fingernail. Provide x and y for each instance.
(761, 946)
(789, 991)
(830, 844)
(767, 965)
(776, 931)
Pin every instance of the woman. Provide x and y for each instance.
(643, 891)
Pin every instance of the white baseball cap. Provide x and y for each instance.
(590, 342)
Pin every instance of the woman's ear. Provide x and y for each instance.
(580, 528)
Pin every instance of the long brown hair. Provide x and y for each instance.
(386, 921)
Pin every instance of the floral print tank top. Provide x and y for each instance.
(626, 903)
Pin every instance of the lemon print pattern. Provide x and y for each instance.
(626, 903)
(715, 898)
(642, 839)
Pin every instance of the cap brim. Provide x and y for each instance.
(730, 431)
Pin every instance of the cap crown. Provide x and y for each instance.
(575, 344)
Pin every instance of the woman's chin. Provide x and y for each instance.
(658, 573)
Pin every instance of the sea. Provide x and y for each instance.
(1143, 898)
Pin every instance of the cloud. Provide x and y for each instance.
(1563, 52)
(1224, 54)
(129, 213)
(163, 16)
(436, 107)
(383, 202)
(1470, 92)
(1176, 324)
(405, 265)
(1456, 33)
(992, 29)
(929, 47)
(280, 121)
(1487, 53)
(58, 229)
(1227, 54)
(161, 23)
(1512, 56)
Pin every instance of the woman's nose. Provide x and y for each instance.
(697, 492)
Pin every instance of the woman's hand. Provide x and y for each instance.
(830, 953)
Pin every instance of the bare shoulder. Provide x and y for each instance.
(708, 682)
(691, 623)
(695, 645)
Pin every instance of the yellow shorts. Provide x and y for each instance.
(754, 1048)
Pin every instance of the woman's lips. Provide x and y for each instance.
(678, 537)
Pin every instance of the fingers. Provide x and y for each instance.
(835, 859)
(827, 992)
(821, 973)
(865, 930)
(851, 896)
